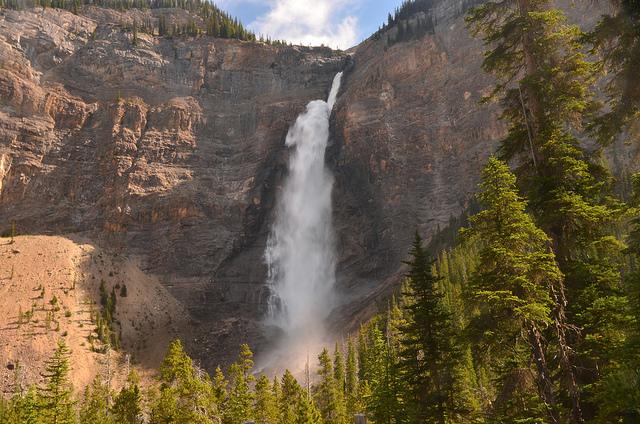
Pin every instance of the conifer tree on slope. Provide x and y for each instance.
(544, 85)
(57, 405)
(618, 392)
(239, 407)
(94, 408)
(326, 392)
(352, 393)
(265, 408)
(24, 408)
(127, 406)
(186, 393)
(430, 351)
(290, 395)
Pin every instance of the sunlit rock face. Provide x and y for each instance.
(173, 152)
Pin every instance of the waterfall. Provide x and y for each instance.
(300, 253)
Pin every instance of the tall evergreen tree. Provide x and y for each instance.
(430, 349)
(617, 394)
(544, 83)
(512, 285)
(381, 387)
(307, 412)
(127, 406)
(290, 396)
(239, 406)
(352, 392)
(265, 409)
(326, 392)
(94, 408)
(57, 394)
(186, 393)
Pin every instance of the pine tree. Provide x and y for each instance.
(24, 408)
(127, 406)
(512, 284)
(352, 393)
(265, 409)
(326, 393)
(186, 393)
(240, 401)
(290, 396)
(431, 352)
(339, 378)
(381, 387)
(220, 385)
(94, 408)
(544, 84)
(56, 396)
(617, 394)
(307, 412)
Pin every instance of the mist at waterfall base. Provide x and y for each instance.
(300, 253)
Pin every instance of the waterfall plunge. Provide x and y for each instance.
(300, 250)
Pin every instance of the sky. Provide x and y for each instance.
(334, 23)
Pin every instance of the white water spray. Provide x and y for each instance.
(300, 250)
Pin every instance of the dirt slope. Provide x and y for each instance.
(35, 270)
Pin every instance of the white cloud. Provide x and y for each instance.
(309, 22)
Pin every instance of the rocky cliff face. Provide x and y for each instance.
(172, 150)
(165, 150)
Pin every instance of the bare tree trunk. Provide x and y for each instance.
(545, 385)
(569, 377)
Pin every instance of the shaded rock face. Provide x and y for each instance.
(410, 141)
(172, 151)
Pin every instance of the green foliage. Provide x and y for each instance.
(95, 408)
(238, 408)
(352, 385)
(266, 408)
(432, 350)
(23, 408)
(328, 393)
(56, 396)
(186, 393)
(308, 413)
(127, 405)
(511, 287)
